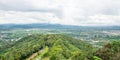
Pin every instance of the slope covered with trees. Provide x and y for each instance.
(110, 51)
(58, 47)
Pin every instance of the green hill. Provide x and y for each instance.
(110, 51)
(48, 47)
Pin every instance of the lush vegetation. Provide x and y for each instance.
(57, 47)
(110, 51)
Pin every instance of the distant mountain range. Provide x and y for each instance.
(55, 26)
(27, 26)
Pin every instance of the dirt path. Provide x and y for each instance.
(35, 54)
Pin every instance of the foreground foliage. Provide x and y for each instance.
(58, 47)
(110, 51)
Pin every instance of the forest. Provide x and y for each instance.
(58, 47)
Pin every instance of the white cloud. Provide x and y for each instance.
(72, 12)
(26, 17)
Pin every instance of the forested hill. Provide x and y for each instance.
(53, 47)
(58, 47)
(110, 51)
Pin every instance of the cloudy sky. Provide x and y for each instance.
(67, 12)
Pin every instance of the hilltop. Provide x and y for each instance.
(55, 47)
(58, 47)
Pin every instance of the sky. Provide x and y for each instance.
(66, 12)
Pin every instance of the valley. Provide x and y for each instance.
(59, 43)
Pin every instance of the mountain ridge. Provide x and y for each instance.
(58, 26)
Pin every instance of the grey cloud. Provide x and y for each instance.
(57, 12)
(110, 11)
(23, 6)
(15, 5)
(76, 11)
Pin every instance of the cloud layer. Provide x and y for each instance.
(72, 12)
